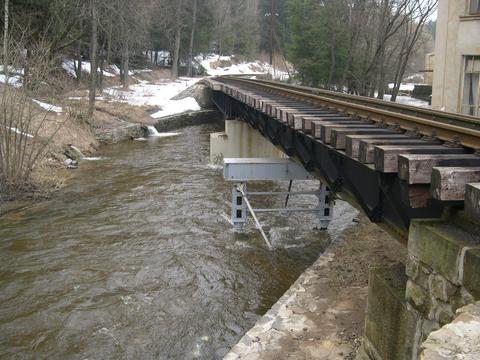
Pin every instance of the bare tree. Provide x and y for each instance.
(24, 136)
(177, 41)
(93, 56)
(5, 34)
(192, 37)
(422, 10)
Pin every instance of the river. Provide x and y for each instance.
(136, 259)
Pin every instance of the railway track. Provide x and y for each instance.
(450, 127)
(437, 154)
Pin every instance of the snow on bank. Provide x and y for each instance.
(404, 86)
(406, 100)
(212, 64)
(48, 107)
(69, 67)
(226, 65)
(146, 93)
(13, 80)
(18, 131)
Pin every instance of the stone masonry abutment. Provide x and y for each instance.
(408, 303)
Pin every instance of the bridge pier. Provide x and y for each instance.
(405, 304)
(240, 140)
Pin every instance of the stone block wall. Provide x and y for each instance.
(390, 325)
(457, 340)
(407, 304)
(443, 270)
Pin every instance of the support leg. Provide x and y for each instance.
(239, 208)
(325, 206)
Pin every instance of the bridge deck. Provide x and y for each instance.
(396, 167)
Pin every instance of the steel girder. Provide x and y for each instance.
(383, 197)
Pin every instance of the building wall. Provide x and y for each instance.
(429, 66)
(457, 36)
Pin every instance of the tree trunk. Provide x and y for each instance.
(332, 59)
(93, 58)
(101, 66)
(178, 34)
(78, 68)
(109, 43)
(26, 70)
(5, 38)
(192, 37)
(381, 76)
(125, 65)
(272, 30)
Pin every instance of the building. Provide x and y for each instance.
(456, 77)
(429, 66)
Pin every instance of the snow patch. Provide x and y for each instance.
(172, 107)
(13, 80)
(12, 70)
(403, 86)
(18, 131)
(69, 67)
(213, 65)
(94, 158)
(160, 95)
(406, 100)
(48, 107)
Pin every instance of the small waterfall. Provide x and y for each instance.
(77, 150)
(152, 131)
(86, 158)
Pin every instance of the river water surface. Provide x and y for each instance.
(136, 259)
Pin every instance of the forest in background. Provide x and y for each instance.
(353, 45)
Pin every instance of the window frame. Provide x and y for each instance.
(466, 108)
(470, 4)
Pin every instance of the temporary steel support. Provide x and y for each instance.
(242, 170)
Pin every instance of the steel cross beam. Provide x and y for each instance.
(242, 170)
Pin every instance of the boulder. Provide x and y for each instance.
(189, 118)
(203, 95)
(121, 133)
(71, 153)
(200, 92)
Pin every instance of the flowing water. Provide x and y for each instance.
(136, 259)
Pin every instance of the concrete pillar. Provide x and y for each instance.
(240, 140)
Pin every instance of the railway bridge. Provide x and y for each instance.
(414, 171)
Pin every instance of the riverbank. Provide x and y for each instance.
(120, 115)
(322, 315)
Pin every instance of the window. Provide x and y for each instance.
(471, 86)
(474, 7)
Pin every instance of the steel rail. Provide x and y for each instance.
(438, 115)
(454, 128)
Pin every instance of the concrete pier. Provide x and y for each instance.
(240, 140)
